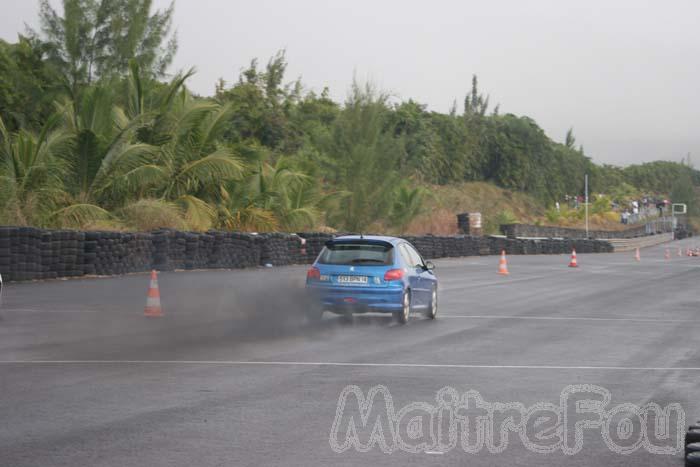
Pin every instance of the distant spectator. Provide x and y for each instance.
(557, 206)
(660, 206)
(625, 217)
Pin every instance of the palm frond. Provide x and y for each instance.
(144, 177)
(120, 160)
(174, 87)
(136, 98)
(198, 214)
(252, 219)
(214, 125)
(299, 218)
(80, 215)
(218, 167)
(190, 119)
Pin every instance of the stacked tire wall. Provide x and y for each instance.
(526, 230)
(682, 232)
(451, 247)
(107, 253)
(31, 254)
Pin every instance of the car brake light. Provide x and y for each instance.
(313, 273)
(393, 274)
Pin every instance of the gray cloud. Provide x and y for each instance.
(624, 74)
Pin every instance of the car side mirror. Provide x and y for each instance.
(429, 266)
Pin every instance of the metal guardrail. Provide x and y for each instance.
(660, 225)
(644, 215)
(627, 244)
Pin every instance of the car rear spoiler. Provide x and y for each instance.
(358, 241)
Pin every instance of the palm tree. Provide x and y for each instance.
(273, 197)
(31, 173)
(123, 156)
(104, 158)
(194, 168)
(408, 203)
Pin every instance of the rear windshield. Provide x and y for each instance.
(357, 254)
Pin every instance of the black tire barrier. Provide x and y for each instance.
(682, 232)
(692, 459)
(528, 230)
(35, 254)
(692, 436)
(692, 447)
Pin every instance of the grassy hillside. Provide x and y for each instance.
(497, 205)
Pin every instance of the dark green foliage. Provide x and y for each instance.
(28, 85)
(570, 141)
(475, 104)
(261, 106)
(262, 153)
(657, 177)
(97, 38)
(365, 155)
(682, 192)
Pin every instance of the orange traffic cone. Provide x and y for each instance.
(153, 309)
(573, 263)
(503, 264)
(636, 255)
(667, 255)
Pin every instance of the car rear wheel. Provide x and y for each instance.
(403, 315)
(433, 307)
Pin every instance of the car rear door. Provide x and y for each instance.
(413, 269)
(427, 278)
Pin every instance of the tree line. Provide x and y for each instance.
(94, 135)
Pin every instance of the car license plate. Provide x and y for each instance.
(352, 279)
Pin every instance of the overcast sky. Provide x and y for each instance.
(625, 74)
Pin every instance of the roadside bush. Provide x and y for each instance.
(553, 215)
(151, 214)
(493, 225)
(601, 205)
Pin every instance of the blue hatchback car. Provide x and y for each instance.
(358, 274)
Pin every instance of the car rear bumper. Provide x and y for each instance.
(357, 299)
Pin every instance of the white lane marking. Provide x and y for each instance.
(434, 452)
(573, 318)
(31, 310)
(341, 364)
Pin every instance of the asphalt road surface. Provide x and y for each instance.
(231, 376)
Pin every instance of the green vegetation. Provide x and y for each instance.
(93, 135)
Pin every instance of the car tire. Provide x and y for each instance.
(692, 459)
(402, 316)
(433, 306)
